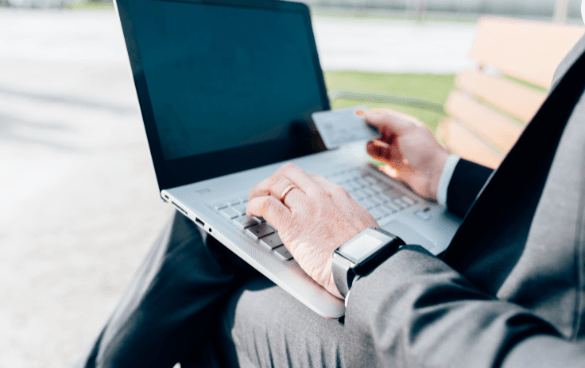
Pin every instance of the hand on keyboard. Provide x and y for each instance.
(314, 218)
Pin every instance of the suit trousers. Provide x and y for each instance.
(193, 301)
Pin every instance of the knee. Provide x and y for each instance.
(271, 328)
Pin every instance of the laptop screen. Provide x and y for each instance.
(226, 86)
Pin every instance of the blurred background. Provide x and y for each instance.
(80, 207)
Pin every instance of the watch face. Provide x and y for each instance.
(360, 248)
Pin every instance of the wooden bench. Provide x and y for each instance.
(492, 104)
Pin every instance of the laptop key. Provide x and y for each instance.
(386, 187)
(377, 214)
(365, 204)
(408, 200)
(283, 253)
(373, 201)
(374, 189)
(422, 215)
(221, 206)
(382, 198)
(260, 230)
(370, 179)
(233, 202)
(390, 207)
(384, 210)
(230, 213)
(398, 203)
(358, 195)
(394, 193)
(351, 186)
(245, 222)
(369, 192)
(241, 208)
(361, 182)
(271, 241)
(379, 188)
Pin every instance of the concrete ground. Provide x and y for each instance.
(79, 205)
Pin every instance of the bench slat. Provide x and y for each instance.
(526, 50)
(519, 101)
(500, 130)
(467, 144)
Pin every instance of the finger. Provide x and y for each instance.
(300, 178)
(273, 211)
(293, 197)
(390, 123)
(274, 186)
(278, 185)
(380, 151)
(326, 185)
(378, 148)
(397, 114)
(340, 196)
(344, 201)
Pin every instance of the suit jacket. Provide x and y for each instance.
(510, 290)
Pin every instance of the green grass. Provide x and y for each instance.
(91, 5)
(394, 15)
(434, 88)
(528, 85)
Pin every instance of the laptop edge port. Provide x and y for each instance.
(179, 208)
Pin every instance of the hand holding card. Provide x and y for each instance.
(341, 127)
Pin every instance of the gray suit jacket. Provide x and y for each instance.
(510, 290)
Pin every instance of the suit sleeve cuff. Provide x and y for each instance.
(445, 179)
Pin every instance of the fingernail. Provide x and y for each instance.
(380, 143)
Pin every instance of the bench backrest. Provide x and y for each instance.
(492, 104)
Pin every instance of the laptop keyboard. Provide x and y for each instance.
(256, 227)
(379, 198)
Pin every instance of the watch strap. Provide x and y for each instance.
(341, 269)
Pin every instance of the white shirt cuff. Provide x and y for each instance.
(445, 179)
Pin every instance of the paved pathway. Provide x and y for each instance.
(79, 204)
(344, 43)
(393, 46)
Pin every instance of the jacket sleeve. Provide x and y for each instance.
(415, 311)
(467, 181)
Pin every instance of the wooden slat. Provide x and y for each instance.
(466, 144)
(519, 101)
(500, 130)
(526, 50)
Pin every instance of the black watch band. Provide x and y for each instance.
(343, 274)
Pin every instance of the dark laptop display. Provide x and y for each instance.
(227, 88)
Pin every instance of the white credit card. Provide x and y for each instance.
(341, 127)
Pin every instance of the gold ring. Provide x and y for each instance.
(286, 191)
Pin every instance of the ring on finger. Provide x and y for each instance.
(286, 191)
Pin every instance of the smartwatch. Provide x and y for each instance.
(360, 255)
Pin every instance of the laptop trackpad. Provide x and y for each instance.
(409, 235)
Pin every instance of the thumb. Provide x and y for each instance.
(389, 122)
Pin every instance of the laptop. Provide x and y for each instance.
(226, 91)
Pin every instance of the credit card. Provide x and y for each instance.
(341, 127)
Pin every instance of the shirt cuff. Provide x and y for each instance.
(445, 179)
